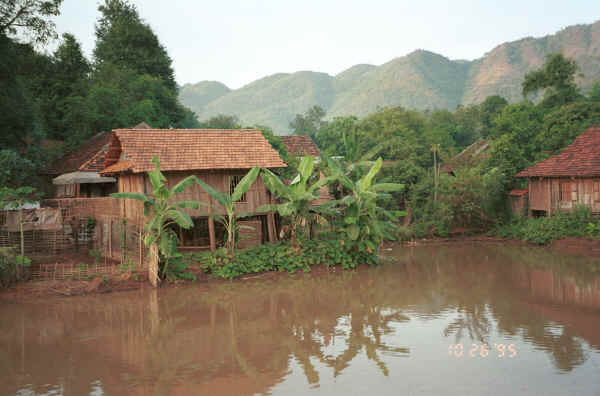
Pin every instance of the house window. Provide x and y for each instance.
(233, 182)
(565, 192)
(568, 192)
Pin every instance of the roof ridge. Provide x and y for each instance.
(580, 158)
(196, 149)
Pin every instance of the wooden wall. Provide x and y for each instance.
(553, 194)
(257, 195)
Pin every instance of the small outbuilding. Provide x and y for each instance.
(567, 179)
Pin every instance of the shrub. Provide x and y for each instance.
(544, 230)
(281, 257)
(9, 260)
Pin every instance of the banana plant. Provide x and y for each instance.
(295, 198)
(158, 236)
(365, 224)
(227, 202)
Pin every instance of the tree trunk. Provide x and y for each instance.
(20, 268)
(153, 265)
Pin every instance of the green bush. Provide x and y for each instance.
(281, 257)
(544, 230)
(9, 260)
(179, 268)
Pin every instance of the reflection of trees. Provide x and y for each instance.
(474, 320)
(239, 337)
(512, 287)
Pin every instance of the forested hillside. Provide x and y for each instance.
(420, 80)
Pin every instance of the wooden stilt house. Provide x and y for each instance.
(567, 179)
(219, 157)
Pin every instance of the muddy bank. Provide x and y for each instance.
(135, 281)
(569, 246)
(33, 290)
(70, 287)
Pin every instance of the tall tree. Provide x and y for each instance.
(309, 122)
(491, 107)
(133, 80)
(125, 40)
(31, 17)
(16, 104)
(64, 91)
(557, 78)
(221, 121)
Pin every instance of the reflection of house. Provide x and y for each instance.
(219, 157)
(567, 179)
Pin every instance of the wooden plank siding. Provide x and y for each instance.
(563, 193)
(255, 197)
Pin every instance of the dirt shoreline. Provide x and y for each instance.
(569, 246)
(35, 290)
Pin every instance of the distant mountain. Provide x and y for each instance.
(196, 96)
(420, 80)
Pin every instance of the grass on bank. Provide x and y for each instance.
(543, 230)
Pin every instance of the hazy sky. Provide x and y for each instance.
(236, 42)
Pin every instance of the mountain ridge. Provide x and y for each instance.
(419, 80)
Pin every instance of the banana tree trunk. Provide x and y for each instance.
(20, 267)
(153, 266)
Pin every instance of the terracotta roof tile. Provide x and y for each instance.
(581, 158)
(518, 193)
(300, 145)
(78, 159)
(193, 149)
(121, 166)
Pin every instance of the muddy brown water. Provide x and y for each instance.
(455, 320)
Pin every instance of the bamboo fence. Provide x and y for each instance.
(90, 226)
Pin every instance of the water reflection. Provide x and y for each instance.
(255, 336)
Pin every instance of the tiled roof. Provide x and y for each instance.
(81, 158)
(192, 149)
(581, 158)
(142, 125)
(300, 145)
(471, 155)
(518, 193)
(120, 166)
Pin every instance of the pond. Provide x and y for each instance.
(456, 319)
